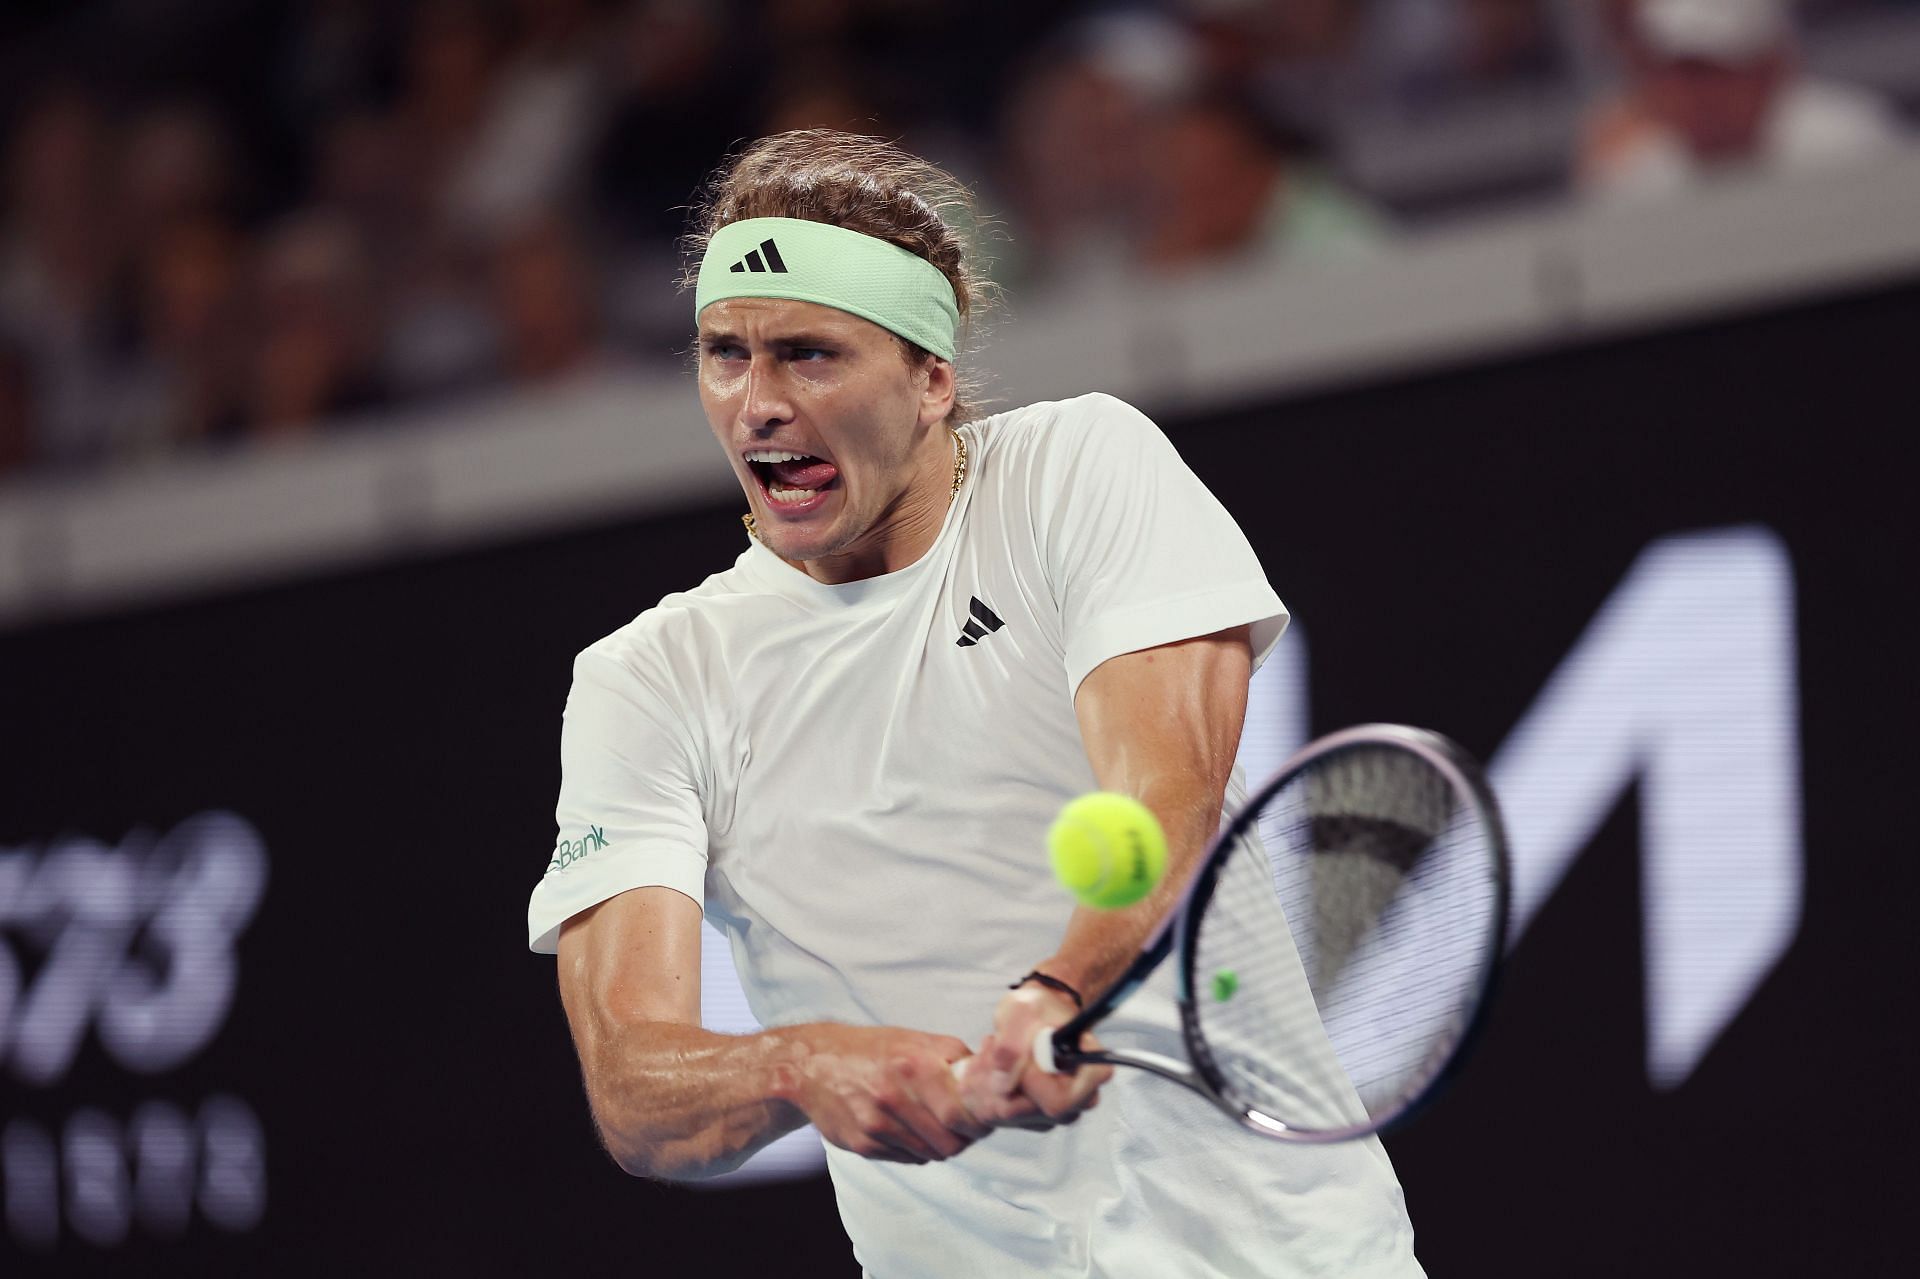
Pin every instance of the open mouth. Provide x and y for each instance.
(789, 480)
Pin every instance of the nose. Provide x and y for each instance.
(766, 404)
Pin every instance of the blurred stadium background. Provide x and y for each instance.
(1556, 354)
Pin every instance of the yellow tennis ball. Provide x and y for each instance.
(1107, 850)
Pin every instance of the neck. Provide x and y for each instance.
(905, 530)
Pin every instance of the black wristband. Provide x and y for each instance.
(1051, 983)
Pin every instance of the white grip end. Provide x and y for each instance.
(1042, 1057)
(1043, 1051)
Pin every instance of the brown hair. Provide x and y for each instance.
(860, 183)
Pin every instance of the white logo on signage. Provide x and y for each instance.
(1684, 681)
(137, 944)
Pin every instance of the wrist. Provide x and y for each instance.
(1052, 981)
(790, 1049)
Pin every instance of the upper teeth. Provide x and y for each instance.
(774, 455)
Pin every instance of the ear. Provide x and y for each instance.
(936, 396)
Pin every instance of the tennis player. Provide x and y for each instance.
(847, 747)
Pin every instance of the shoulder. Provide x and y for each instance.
(1052, 428)
(665, 647)
(1093, 407)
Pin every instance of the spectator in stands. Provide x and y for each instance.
(175, 166)
(1075, 136)
(544, 297)
(1300, 60)
(437, 331)
(314, 347)
(60, 270)
(1136, 145)
(181, 383)
(451, 64)
(1221, 182)
(1713, 87)
(175, 381)
(543, 101)
(361, 176)
(441, 331)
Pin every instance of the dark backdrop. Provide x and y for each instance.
(391, 736)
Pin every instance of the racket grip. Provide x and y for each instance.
(1043, 1051)
(1042, 1056)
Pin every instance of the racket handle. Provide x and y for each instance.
(1043, 1051)
(1042, 1056)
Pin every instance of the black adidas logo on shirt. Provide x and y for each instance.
(755, 262)
(983, 623)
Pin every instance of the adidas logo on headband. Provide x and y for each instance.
(831, 266)
(752, 261)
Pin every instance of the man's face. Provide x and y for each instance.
(827, 427)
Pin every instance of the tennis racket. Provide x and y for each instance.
(1337, 945)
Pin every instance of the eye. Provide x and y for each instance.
(810, 354)
(722, 349)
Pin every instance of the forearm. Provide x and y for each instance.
(678, 1102)
(1161, 725)
(674, 1101)
(669, 1098)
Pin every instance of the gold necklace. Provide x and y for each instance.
(959, 477)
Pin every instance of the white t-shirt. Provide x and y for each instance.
(859, 799)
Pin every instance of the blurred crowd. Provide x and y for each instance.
(225, 219)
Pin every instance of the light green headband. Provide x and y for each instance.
(815, 262)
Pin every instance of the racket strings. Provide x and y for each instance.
(1387, 876)
(1371, 814)
(1258, 1017)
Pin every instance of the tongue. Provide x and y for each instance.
(810, 474)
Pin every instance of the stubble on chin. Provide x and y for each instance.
(803, 549)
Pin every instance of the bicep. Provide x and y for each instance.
(1167, 714)
(632, 958)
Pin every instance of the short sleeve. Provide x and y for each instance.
(630, 814)
(1138, 552)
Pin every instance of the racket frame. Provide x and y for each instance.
(1059, 1051)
